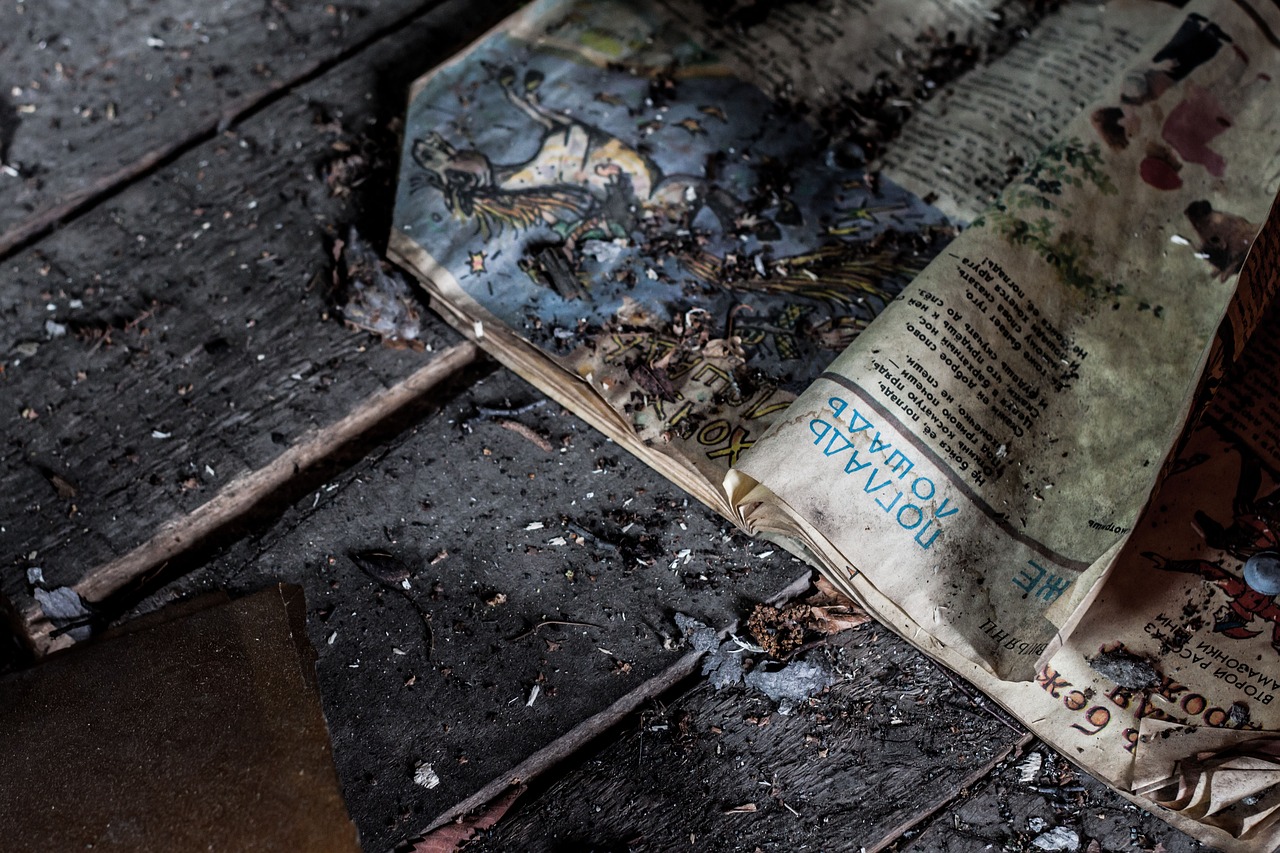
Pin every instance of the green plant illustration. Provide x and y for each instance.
(1067, 163)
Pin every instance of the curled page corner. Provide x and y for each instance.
(744, 494)
(1225, 778)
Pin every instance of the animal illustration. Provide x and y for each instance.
(584, 184)
(1224, 237)
(1245, 601)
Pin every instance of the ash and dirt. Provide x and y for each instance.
(733, 662)
(890, 739)
(374, 297)
(1041, 802)
(557, 569)
(1126, 668)
(723, 770)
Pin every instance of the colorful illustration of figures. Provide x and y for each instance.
(1250, 538)
(589, 187)
(1188, 127)
(1196, 42)
(584, 183)
(1250, 598)
(608, 177)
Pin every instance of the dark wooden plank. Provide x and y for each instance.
(888, 740)
(1042, 796)
(454, 505)
(94, 94)
(236, 503)
(183, 333)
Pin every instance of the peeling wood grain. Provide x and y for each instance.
(181, 335)
(928, 810)
(1012, 807)
(103, 93)
(568, 744)
(240, 496)
(888, 743)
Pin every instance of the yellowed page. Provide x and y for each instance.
(1001, 425)
(964, 144)
(817, 53)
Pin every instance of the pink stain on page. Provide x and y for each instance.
(1193, 124)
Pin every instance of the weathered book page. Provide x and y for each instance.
(965, 145)
(820, 54)
(671, 219)
(646, 219)
(980, 450)
(1168, 687)
(1186, 630)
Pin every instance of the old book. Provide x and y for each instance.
(932, 305)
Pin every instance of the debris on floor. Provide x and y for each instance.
(451, 836)
(373, 296)
(784, 630)
(793, 682)
(765, 668)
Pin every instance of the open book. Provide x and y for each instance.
(956, 300)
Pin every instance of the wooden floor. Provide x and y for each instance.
(185, 409)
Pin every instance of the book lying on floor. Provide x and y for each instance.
(956, 300)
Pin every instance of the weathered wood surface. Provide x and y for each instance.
(182, 333)
(725, 771)
(240, 499)
(95, 93)
(893, 757)
(453, 500)
(1042, 797)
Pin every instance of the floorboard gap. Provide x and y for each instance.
(256, 492)
(77, 204)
